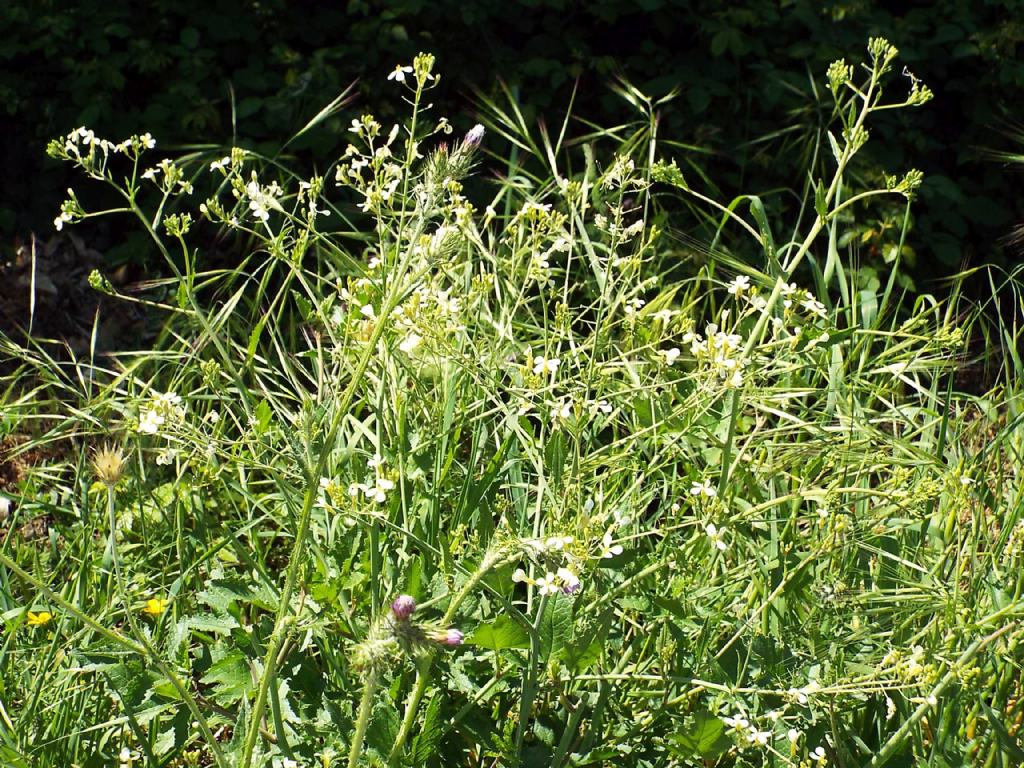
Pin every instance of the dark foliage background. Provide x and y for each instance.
(747, 74)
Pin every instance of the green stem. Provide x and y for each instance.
(491, 559)
(365, 708)
(281, 622)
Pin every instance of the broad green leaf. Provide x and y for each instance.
(502, 633)
(705, 738)
(230, 678)
(555, 627)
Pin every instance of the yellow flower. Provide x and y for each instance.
(155, 606)
(40, 619)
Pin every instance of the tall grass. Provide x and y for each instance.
(640, 508)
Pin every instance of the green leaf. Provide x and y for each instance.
(767, 241)
(705, 738)
(554, 456)
(587, 647)
(555, 627)
(222, 594)
(502, 633)
(820, 204)
(230, 678)
(263, 416)
(424, 745)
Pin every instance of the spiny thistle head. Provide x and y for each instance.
(108, 464)
(403, 607)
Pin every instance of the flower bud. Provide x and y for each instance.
(450, 637)
(473, 137)
(403, 607)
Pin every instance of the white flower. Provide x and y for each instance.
(379, 491)
(633, 306)
(150, 422)
(220, 165)
(410, 342)
(375, 461)
(818, 753)
(601, 406)
(793, 735)
(519, 575)
(890, 708)
(398, 73)
(166, 457)
(703, 489)
(664, 316)
(558, 543)
(548, 584)
(562, 411)
(671, 355)
(738, 722)
(570, 581)
(716, 535)
(739, 285)
(814, 306)
(5, 508)
(543, 365)
(608, 548)
(368, 311)
(759, 738)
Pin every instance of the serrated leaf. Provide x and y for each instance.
(555, 627)
(222, 594)
(502, 633)
(220, 625)
(230, 678)
(424, 746)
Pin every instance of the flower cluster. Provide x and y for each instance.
(380, 487)
(169, 177)
(720, 353)
(92, 153)
(399, 631)
(165, 409)
(555, 557)
(746, 731)
(429, 312)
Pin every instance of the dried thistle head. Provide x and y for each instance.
(108, 464)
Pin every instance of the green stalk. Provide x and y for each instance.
(365, 709)
(491, 560)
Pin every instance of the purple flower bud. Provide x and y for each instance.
(403, 607)
(450, 637)
(474, 136)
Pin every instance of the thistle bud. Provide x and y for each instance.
(473, 137)
(403, 607)
(450, 637)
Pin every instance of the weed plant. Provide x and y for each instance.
(439, 478)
